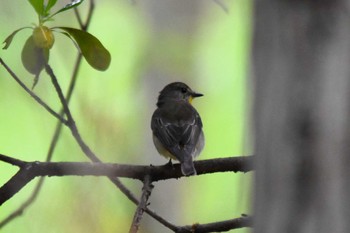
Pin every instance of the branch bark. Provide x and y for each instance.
(244, 221)
(146, 193)
(38, 169)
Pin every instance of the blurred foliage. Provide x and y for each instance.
(113, 109)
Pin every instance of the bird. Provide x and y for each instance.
(177, 127)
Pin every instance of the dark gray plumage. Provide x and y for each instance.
(177, 126)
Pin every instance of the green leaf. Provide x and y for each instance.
(73, 4)
(33, 57)
(38, 5)
(49, 5)
(93, 51)
(9, 39)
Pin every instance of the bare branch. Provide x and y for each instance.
(70, 120)
(32, 94)
(244, 221)
(24, 205)
(146, 193)
(15, 184)
(12, 161)
(84, 26)
(137, 172)
(113, 170)
(221, 5)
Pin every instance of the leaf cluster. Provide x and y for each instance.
(36, 50)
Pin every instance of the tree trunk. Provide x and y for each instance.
(302, 94)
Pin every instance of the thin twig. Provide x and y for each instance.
(19, 211)
(89, 15)
(149, 211)
(146, 193)
(32, 94)
(77, 15)
(15, 184)
(244, 221)
(12, 161)
(222, 5)
(83, 26)
(71, 123)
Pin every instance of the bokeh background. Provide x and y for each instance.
(152, 43)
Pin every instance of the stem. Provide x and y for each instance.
(146, 193)
(32, 94)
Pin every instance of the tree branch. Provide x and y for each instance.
(222, 5)
(84, 26)
(17, 212)
(146, 193)
(112, 170)
(244, 221)
(16, 183)
(32, 94)
(70, 120)
(12, 161)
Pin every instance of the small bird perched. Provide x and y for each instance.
(177, 126)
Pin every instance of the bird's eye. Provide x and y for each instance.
(183, 90)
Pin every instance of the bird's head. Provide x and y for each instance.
(177, 91)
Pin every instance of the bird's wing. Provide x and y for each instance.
(178, 133)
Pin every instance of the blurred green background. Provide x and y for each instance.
(152, 43)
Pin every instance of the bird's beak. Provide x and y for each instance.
(194, 94)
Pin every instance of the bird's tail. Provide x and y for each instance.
(187, 166)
